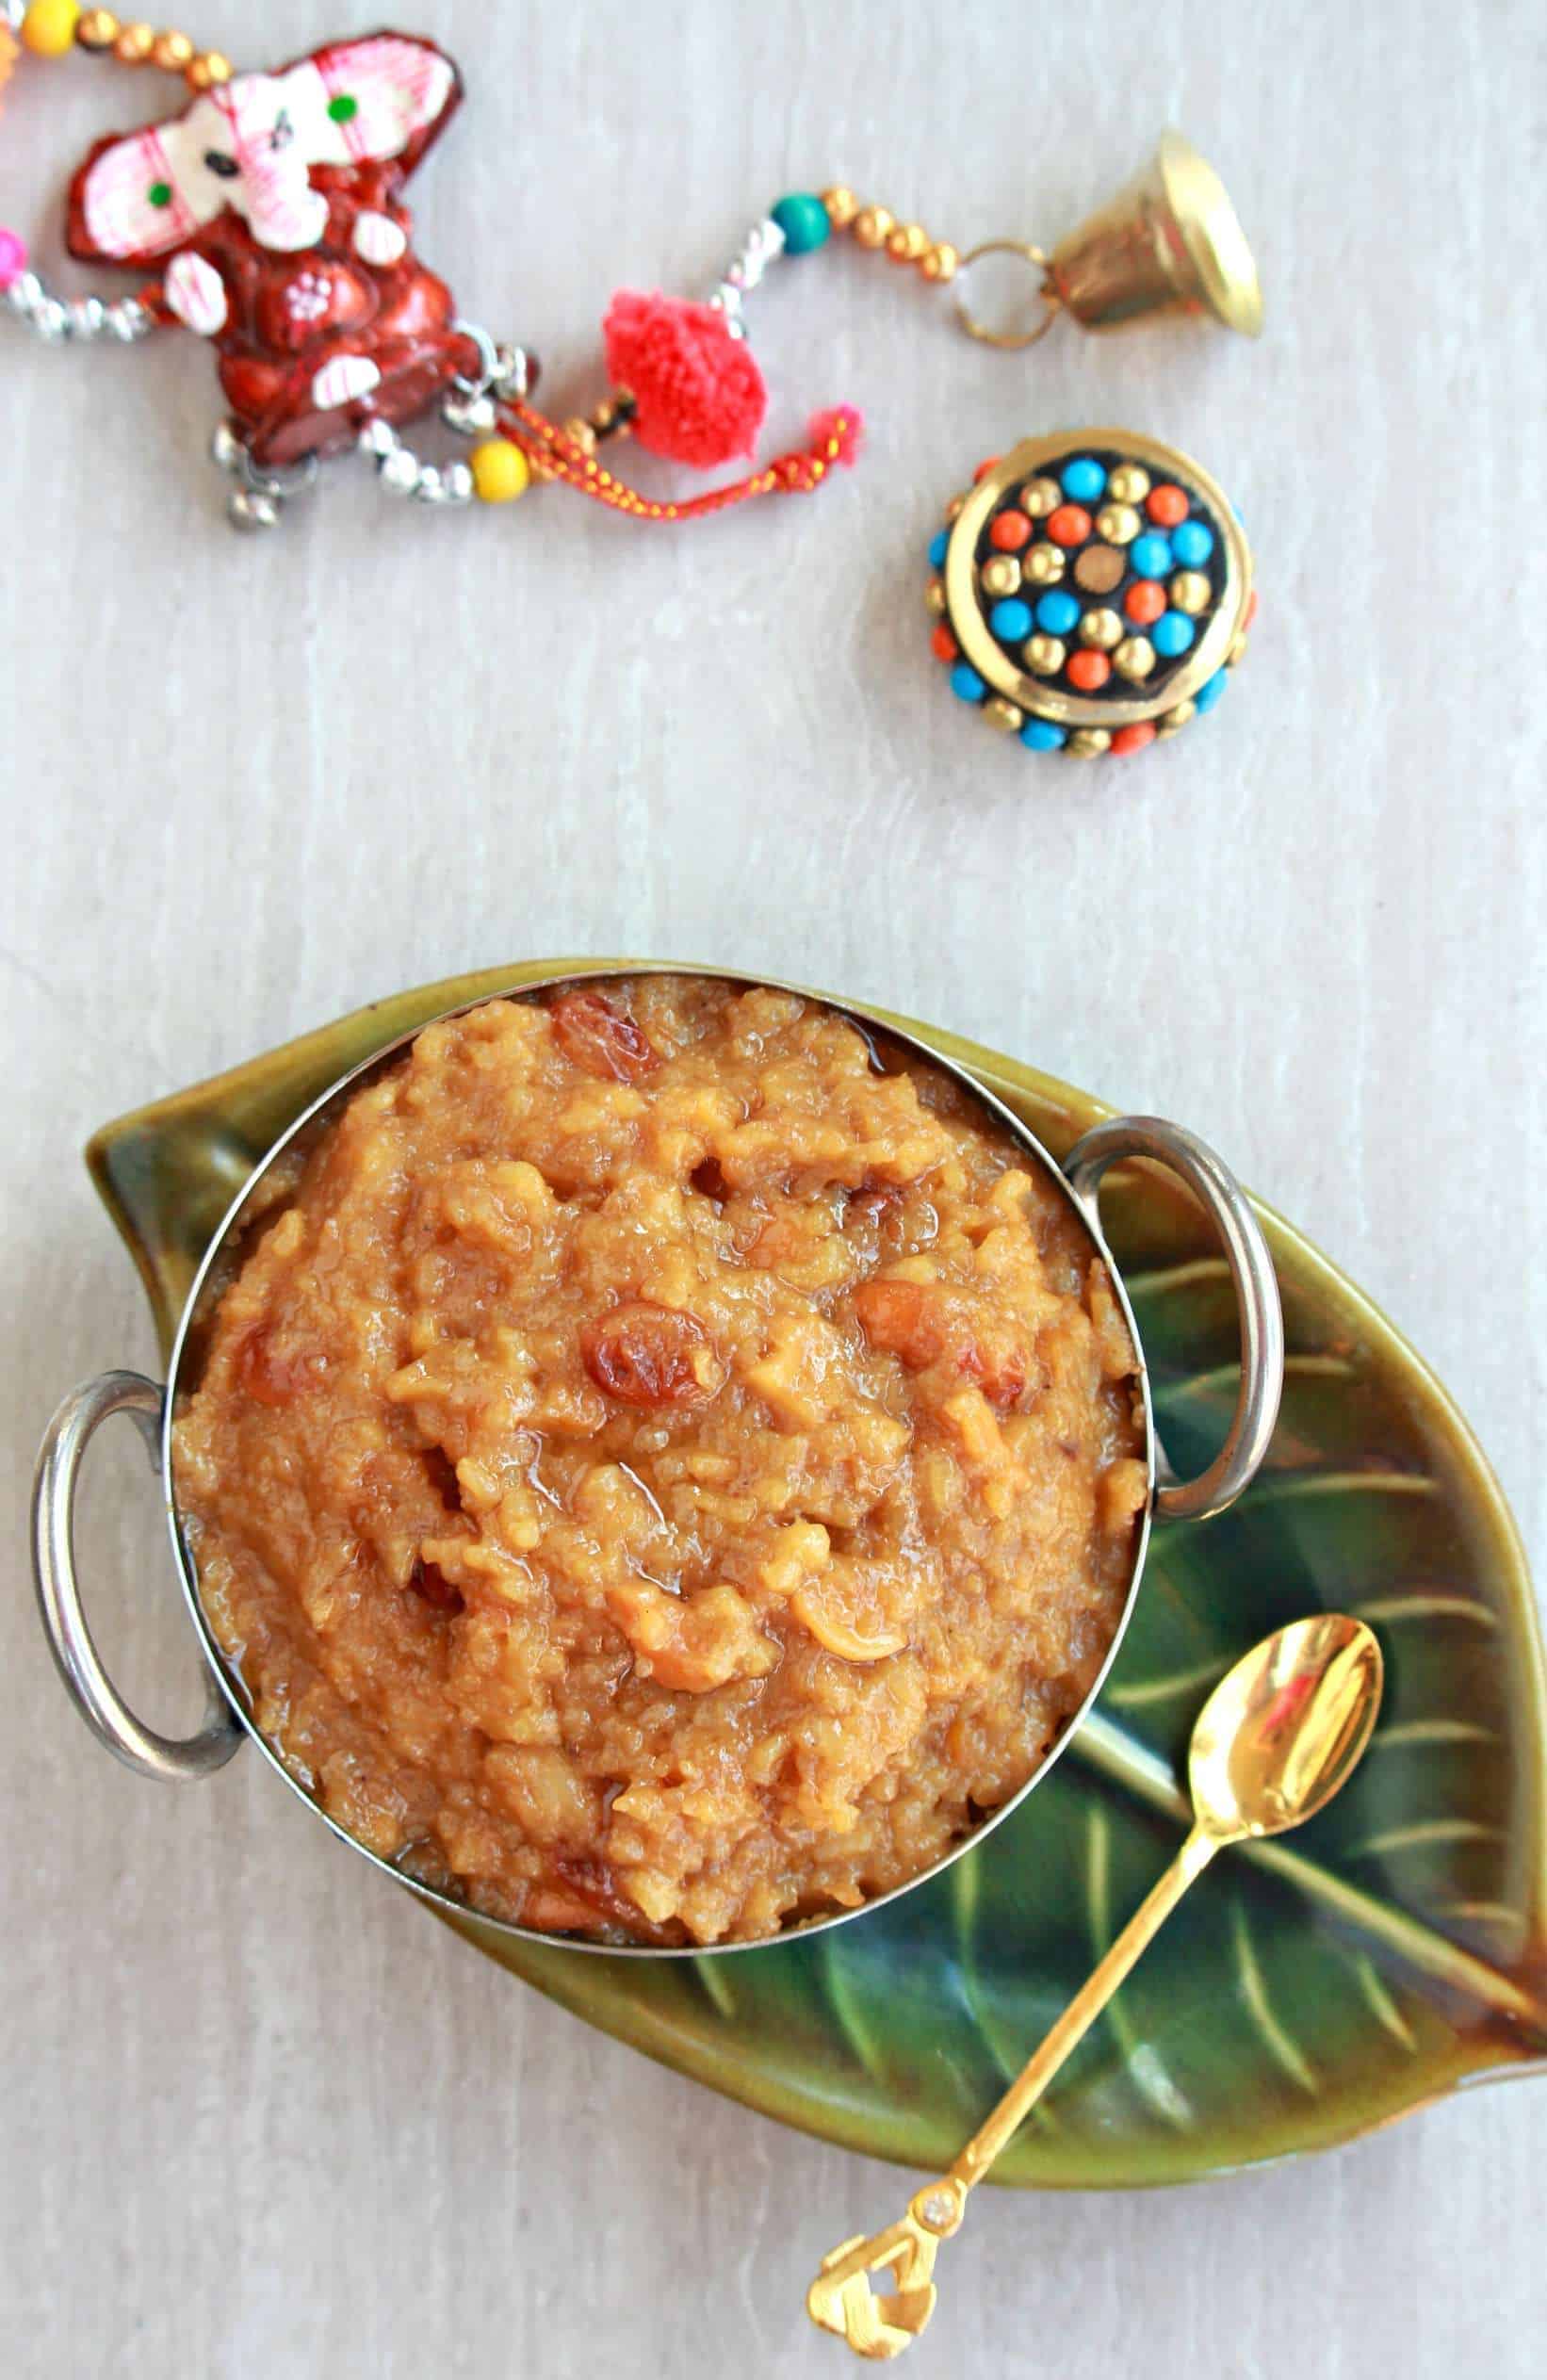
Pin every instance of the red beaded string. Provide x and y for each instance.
(835, 440)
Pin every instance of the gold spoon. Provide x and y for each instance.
(1278, 1738)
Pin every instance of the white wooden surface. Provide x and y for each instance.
(263, 2118)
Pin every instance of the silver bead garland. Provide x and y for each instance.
(79, 321)
(762, 244)
(401, 472)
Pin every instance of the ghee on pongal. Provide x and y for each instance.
(668, 1468)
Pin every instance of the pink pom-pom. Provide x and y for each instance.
(13, 257)
(841, 427)
(698, 395)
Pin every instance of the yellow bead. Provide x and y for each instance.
(1129, 483)
(1238, 647)
(874, 226)
(97, 30)
(135, 44)
(842, 205)
(206, 71)
(934, 597)
(1136, 658)
(1044, 655)
(172, 53)
(1045, 565)
(1117, 523)
(907, 243)
(1088, 743)
(500, 471)
(48, 28)
(1190, 591)
(1103, 629)
(953, 508)
(1004, 715)
(1040, 497)
(1172, 722)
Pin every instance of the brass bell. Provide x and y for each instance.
(1169, 239)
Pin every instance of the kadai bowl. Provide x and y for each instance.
(659, 1461)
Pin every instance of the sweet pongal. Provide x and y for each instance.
(667, 1466)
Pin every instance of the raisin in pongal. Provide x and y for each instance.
(667, 1468)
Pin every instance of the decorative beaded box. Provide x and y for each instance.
(1092, 591)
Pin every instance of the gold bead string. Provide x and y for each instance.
(877, 227)
(101, 33)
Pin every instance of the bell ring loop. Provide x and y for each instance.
(1010, 340)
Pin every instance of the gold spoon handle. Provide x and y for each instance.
(880, 2326)
(1071, 2027)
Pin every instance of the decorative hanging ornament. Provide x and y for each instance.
(1091, 592)
(269, 217)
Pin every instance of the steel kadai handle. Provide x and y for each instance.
(1256, 1292)
(90, 1687)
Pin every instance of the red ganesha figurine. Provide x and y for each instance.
(272, 205)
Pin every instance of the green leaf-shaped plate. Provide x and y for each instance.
(1394, 1949)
